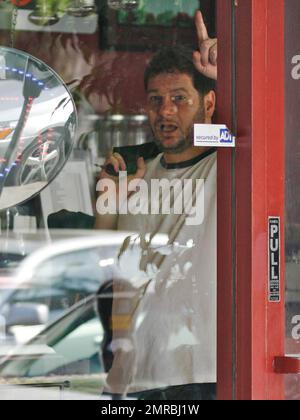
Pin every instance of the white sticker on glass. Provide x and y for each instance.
(213, 135)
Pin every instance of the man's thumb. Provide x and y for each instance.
(141, 168)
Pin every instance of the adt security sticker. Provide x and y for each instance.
(213, 135)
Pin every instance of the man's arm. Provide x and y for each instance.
(206, 58)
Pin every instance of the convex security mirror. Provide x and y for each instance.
(37, 126)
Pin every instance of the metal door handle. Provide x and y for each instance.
(287, 365)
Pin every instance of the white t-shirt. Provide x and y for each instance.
(169, 337)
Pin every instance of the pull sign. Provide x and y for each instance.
(213, 135)
(274, 259)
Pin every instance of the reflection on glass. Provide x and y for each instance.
(81, 8)
(161, 294)
(45, 13)
(123, 4)
(156, 12)
(68, 350)
(37, 124)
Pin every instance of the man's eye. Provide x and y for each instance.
(180, 99)
(155, 100)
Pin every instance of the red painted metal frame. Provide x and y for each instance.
(225, 354)
(259, 168)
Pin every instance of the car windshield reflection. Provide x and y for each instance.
(68, 353)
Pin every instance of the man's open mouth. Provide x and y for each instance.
(168, 128)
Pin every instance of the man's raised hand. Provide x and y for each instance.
(205, 59)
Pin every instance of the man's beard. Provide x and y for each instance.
(185, 142)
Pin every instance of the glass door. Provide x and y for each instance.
(150, 327)
(155, 302)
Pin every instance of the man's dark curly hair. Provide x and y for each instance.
(177, 59)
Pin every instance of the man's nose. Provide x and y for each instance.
(167, 107)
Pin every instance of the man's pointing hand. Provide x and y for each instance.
(205, 59)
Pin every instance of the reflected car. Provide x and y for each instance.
(54, 277)
(65, 358)
(48, 129)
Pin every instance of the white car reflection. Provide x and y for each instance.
(54, 277)
(63, 362)
(68, 360)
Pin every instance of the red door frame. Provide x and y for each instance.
(250, 189)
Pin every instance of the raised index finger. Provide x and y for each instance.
(201, 28)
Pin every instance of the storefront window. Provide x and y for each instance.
(122, 306)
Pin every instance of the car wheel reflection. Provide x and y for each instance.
(40, 163)
(40, 160)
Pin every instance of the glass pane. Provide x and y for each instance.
(292, 188)
(118, 305)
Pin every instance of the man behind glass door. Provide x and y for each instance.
(168, 349)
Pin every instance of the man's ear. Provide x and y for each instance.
(209, 106)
